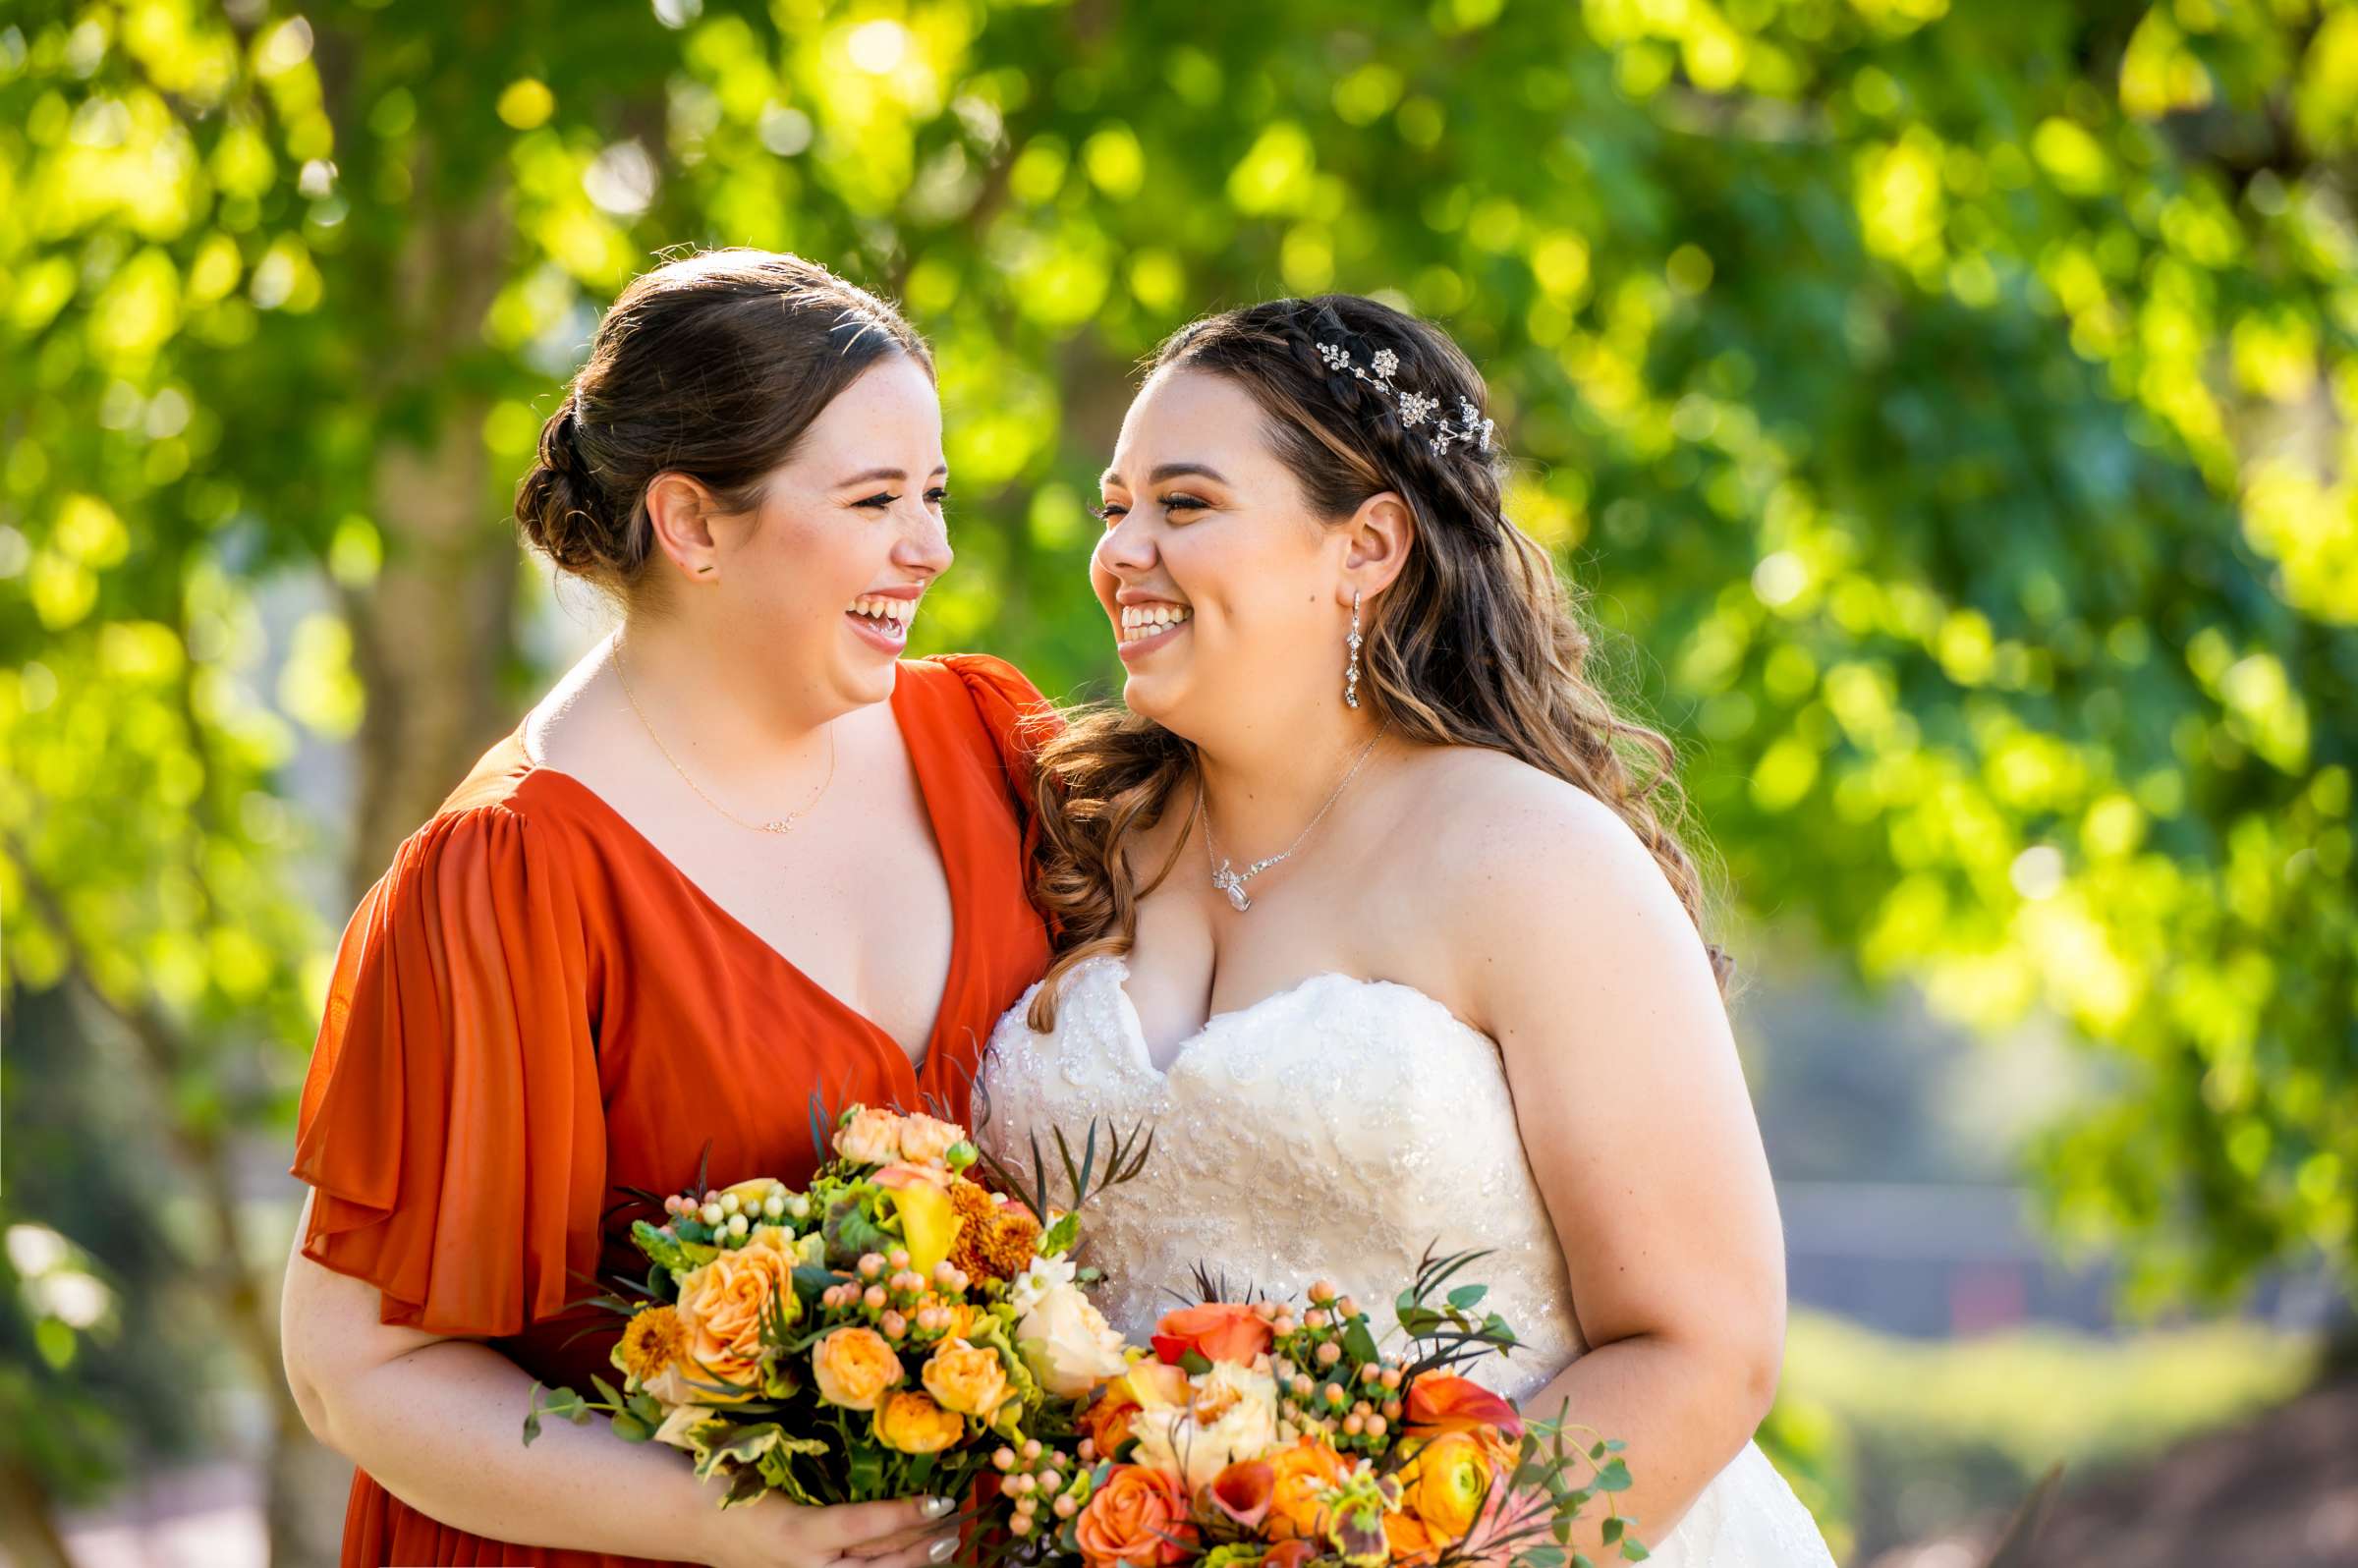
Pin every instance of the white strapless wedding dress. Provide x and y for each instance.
(1335, 1130)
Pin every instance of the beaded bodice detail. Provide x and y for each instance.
(1336, 1130)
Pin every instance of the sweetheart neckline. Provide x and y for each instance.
(1134, 1032)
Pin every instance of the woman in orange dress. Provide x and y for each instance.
(743, 860)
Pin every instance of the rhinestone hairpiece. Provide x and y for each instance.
(1415, 407)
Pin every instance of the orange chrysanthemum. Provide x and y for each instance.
(654, 1340)
(994, 1240)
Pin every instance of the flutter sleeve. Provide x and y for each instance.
(1016, 717)
(451, 1126)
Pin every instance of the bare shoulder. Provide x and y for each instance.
(1527, 869)
(1502, 828)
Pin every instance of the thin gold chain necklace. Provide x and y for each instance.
(783, 824)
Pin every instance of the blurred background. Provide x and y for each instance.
(1947, 409)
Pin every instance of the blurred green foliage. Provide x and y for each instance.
(1953, 408)
(1911, 1438)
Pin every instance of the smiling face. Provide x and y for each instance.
(1228, 595)
(823, 577)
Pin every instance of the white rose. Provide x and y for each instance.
(1230, 1417)
(1067, 1343)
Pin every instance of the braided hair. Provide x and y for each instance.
(1475, 642)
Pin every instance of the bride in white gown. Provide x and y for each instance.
(1366, 908)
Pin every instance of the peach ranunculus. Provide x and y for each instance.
(1305, 1473)
(969, 1380)
(869, 1135)
(1216, 1330)
(1136, 1518)
(855, 1367)
(914, 1424)
(724, 1304)
(928, 1140)
(1147, 1385)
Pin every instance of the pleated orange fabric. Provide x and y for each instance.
(535, 1007)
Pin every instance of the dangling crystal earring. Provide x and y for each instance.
(1351, 674)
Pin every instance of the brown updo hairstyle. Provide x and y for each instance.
(1475, 642)
(711, 365)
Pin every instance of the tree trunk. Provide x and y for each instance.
(434, 635)
(28, 1535)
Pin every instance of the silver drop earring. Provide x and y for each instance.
(1350, 673)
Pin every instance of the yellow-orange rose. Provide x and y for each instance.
(873, 1137)
(1297, 1508)
(913, 1424)
(967, 1378)
(854, 1368)
(926, 1139)
(723, 1304)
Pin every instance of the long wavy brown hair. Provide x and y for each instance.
(1475, 642)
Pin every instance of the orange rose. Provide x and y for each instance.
(967, 1378)
(1147, 1385)
(1297, 1508)
(1440, 1402)
(723, 1304)
(1137, 1517)
(854, 1368)
(913, 1424)
(1216, 1330)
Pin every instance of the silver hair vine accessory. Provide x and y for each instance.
(1415, 407)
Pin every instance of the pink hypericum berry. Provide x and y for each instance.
(1390, 1377)
(1003, 1458)
(1030, 1449)
(1323, 1292)
(873, 1297)
(1314, 1318)
(894, 1325)
(898, 1258)
(870, 1264)
(1329, 1353)
(1065, 1507)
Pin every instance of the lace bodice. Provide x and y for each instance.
(1335, 1130)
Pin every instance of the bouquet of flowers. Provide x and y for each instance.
(877, 1334)
(1257, 1435)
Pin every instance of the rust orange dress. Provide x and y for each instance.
(535, 1007)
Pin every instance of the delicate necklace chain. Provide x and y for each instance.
(1231, 881)
(783, 824)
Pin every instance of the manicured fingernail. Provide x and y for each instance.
(935, 1508)
(941, 1550)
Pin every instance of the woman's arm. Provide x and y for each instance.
(437, 1422)
(1578, 957)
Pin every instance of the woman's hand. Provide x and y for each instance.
(913, 1533)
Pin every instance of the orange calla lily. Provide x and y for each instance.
(1244, 1491)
